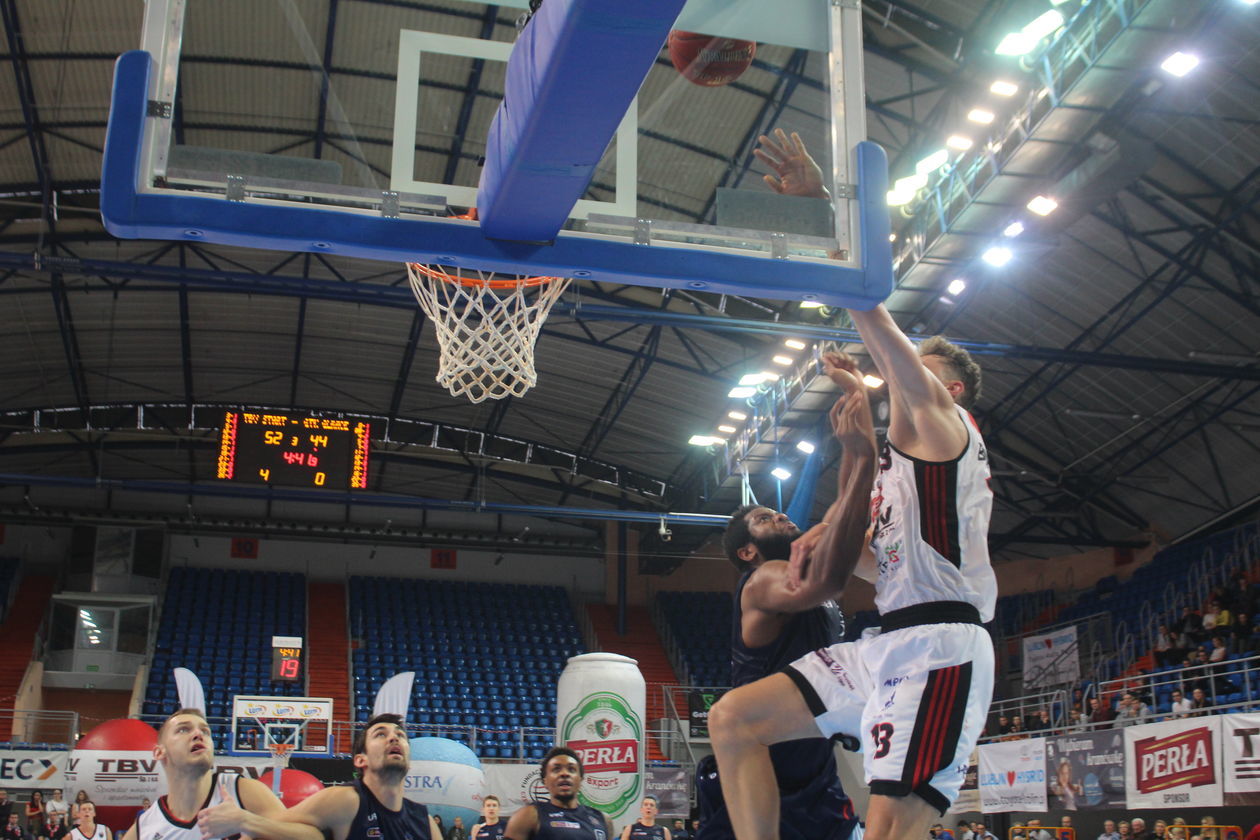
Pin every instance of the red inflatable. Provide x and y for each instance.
(295, 785)
(115, 765)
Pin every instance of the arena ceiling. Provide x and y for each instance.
(1119, 345)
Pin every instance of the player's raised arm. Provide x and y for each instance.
(331, 811)
(260, 815)
(523, 824)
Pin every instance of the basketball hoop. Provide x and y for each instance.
(279, 754)
(486, 326)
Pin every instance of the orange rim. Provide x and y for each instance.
(461, 280)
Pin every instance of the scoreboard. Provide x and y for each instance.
(295, 450)
(286, 658)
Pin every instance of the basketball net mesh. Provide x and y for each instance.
(486, 327)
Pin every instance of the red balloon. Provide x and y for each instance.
(295, 785)
(123, 735)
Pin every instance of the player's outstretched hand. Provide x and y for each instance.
(802, 554)
(842, 369)
(224, 819)
(795, 172)
(851, 419)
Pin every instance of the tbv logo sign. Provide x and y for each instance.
(26, 769)
(114, 769)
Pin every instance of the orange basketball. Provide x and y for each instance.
(708, 60)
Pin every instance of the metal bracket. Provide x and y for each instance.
(161, 110)
(642, 231)
(389, 204)
(779, 246)
(846, 191)
(235, 188)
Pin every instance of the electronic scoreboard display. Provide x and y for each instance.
(295, 450)
(286, 658)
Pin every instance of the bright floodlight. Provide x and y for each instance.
(1179, 63)
(1013, 230)
(892, 237)
(758, 378)
(1043, 205)
(1049, 23)
(780, 473)
(730, 430)
(997, 256)
(931, 163)
(896, 199)
(737, 415)
(794, 343)
(703, 440)
(805, 446)
(741, 392)
(959, 142)
(979, 115)
(782, 360)
(1016, 43)
(1004, 88)
(956, 286)
(811, 304)
(872, 381)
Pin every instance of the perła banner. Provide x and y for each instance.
(1173, 763)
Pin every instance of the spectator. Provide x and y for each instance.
(35, 812)
(1004, 725)
(1198, 702)
(1036, 832)
(1190, 627)
(695, 827)
(58, 805)
(1109, 831)
(1044, 724)
(1074, 719)
(1066, 831)
(939, 832)
(1132, 710)
(679, 831)
(13, 829)
(1180, 705)
(56, 829)
(964, 831)
(1078, 700)
(982, 832)
(79, 799)
(6, 807)
(1165, 649)
(1139, 829)
(1124, 830)
(1209, 832)
(456, 831)
(1099, 714)
(1218, 649)
(1161, 829)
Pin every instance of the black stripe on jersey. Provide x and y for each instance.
(938, 726)
(937, 488)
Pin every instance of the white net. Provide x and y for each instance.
(486, 327)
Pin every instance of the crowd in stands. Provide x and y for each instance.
(40, 818)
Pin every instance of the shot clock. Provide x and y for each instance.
(286, 658)
(296, 450)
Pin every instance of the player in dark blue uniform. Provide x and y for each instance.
(490, 827)
(561, 817)
(776, 622)
(646, 828)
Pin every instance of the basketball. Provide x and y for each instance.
(295, 785)
(708, 60)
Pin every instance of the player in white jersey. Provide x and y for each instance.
(185, 750)
(916, 694)
(87, 828)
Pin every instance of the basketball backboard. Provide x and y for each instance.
(369, 129)
(304, 724)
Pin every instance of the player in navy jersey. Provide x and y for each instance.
(490, 827)
(646, 828)
(776, 621)
(561, 817)
(373, 808)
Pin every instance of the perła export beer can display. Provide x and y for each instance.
(601, 704)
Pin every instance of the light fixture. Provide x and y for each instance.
(897, 199)
(758, 378)
(1043, 205)
(959, 142)
(811, 304)
(805, 446)
(931, 163)
(730, 430)
(794, 343)
(979, 115)
(947, 300)
(780, 473)
(997, 256)
(892, 237)
(956, 286)
(1016, 43)
(1179, 63)
(1102, 415)
(1223, 358)
(782, 360)
(703, 440)
(1026, 40)
(1013, 230)
(1002, 88)
(741, 392)
(737, 415)
(870, 380)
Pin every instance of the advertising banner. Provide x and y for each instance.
(32, 769)
(516, 785)
(1173, 763)
(1086, 771)
(1013, 776)
(698, 705)
(969, 795)
(1240, 758)
(1051, 659)
(669, 786)
(115, 778)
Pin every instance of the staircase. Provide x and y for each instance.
(328, 663)
(17, 640)
(641, 643)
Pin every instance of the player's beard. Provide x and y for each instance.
(392, 773)
(776, 546)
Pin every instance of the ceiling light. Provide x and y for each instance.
(1013, 230)
(782, 360)
(805, 446)
(1101, 415)
(892, 237)
(1004, 88)
(897, 199)
(1047, 24)
(1179, 63)
(931, 163)
(1016, 43)
(811, 304)
(1223, 358)
(979, 115)
(1043, 205)
(741, 393)
(956, 286)
(959, 142)
(780, 473)
(946, 299)
(758, 378)
(703, 440)
(794, 343)
(870, 380)
(997, 256)
(737, 415)
(730, 430)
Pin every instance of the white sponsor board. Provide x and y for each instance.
(1051, 659)
(1013, 776)
(32, 768)
(1240, 758)
(516, 785)
(115, 778)
(1174, 763)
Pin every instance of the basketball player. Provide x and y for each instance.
(373, 807)
(87, 829)
(186, 753)
(777, 621)
(917, 693)
(490, 827)
(646, 828)
(561, 817)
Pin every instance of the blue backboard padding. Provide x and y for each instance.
(129, 213)
(572, 74)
